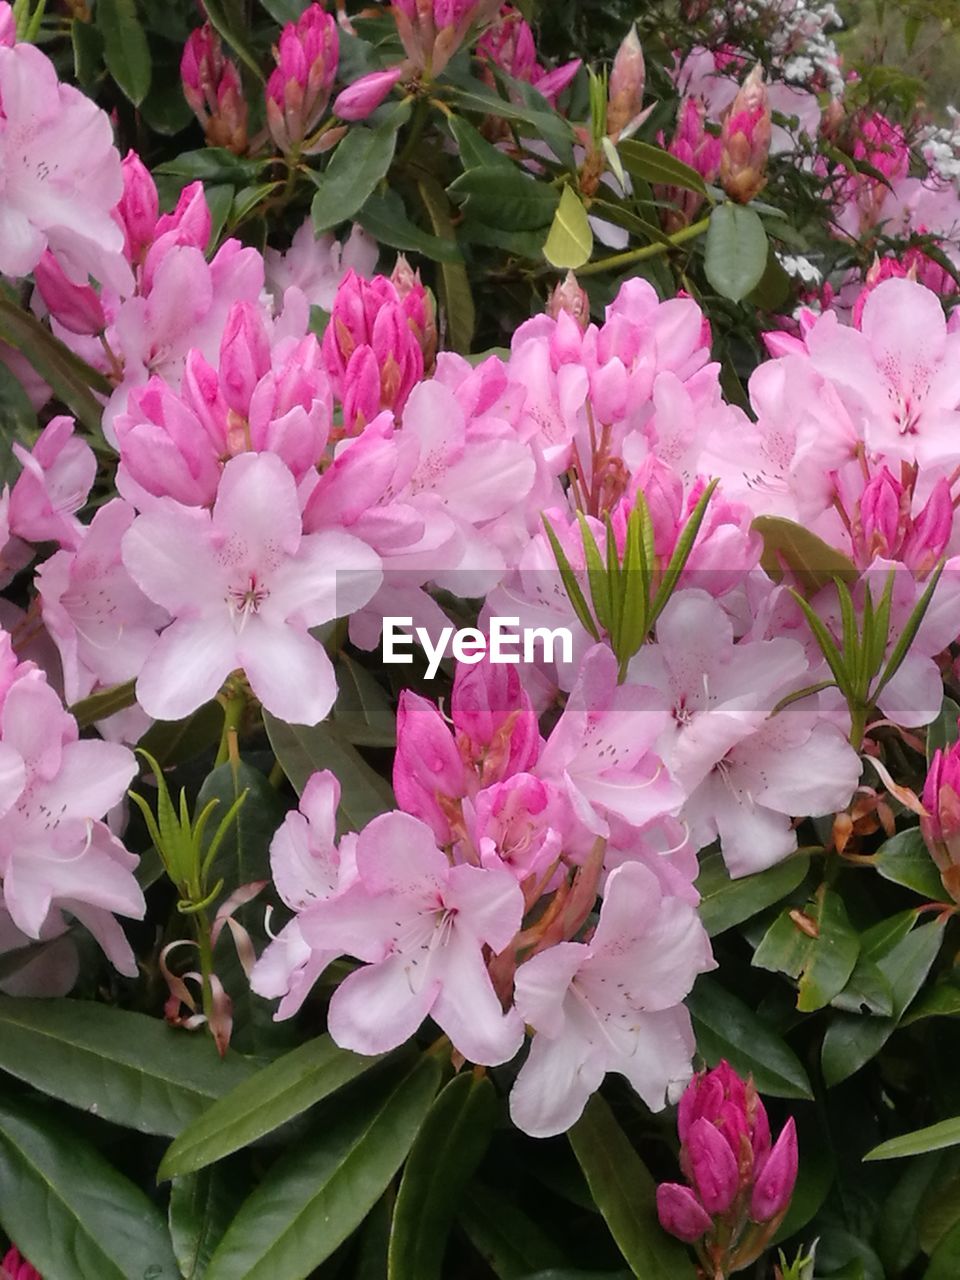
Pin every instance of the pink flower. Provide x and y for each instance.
(55, 853)
(941, 825)
(776, 1177)
(59, 174)
(317, 265)
(138, 208)
(420, 926)
(56, 479)
(256, 586)
(14, 1265)
(494, 720)
(429, 777)
(612, 1004)
(363, 97)
(76, 307)
(307, 867)
(299, 89)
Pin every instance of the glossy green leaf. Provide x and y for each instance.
(361, 159)
(625, 1193)
(202, 1206)
(478, 98)
(456, 292)
(789, 546)
(446, 1152)
(904, 860)
(319, 1193)
(941, 1000)
(125, 48)
(70, 379)
(212, 164)
(475, 151)
(850, 1041)
(243, 855)
(507, 199)
(386, 219)
(727, 1028)
(509, 1241)
(123, 1066)
(263, 1102)
(867, 991)
(945, 1133)
(725, 902)
(943, 732)
(831, 956)
(569, 243)
(363, 712)
(69, 1211)
(301, 751)
(655, 165)
(736, 251)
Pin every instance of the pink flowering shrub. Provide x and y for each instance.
(479, 682)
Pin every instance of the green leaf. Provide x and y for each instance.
(446, 1152)
(942, 1000)
(656, 165)
(850, 1042)
(202, 1206)
(18, 423)
(478, 98)
(831, 956)
(727, 1028)
(243, 855)
(868, 991)
(787, 545)
(122, 1066)
(69, 377)
(625, 1194)
(510, 1242)
(362, 712)
(725, 902)
(946, 1133)
(88, 54)
(318, 1193)
(509, 200)
(361, 159)
(302, 751)
(903, 859)
(262, 1103)
(69, 1211)
(736, 251)
(212, 164)
(228, 19)
(385, 217)
(125, 47)
(945, 1260)
(105, 703)
(570, 240)
(475, 151)
(454, 280)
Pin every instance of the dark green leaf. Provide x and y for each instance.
(736, 251)
(454, 280)
(212, 164)
(945, 1261)
(201, 1208)
(302, 751)
(120, 1065)
(507, 199)
(173, 741)
(361, 159)
(363, 713)
(852, 1041)
(788, 545)
(625, 1194)
(725, 902)
(125, 47)
(69, 1211)
(243, 855)
(509, 1241)
(942, 1000)
(475, 151)
(263, 1102)
(904, 860)
(318, 1193)
(478, 98)
(385, 217)
(105, 703)
(18, 423)
(442, 1160)
(228, 18)
(831, 956)
(943, 731)
(727, 1028)
(868, 991)
(88, 54)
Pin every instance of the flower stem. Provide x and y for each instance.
(648, 251)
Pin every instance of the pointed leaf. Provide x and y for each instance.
(509, 1241)
(361, 159)
(263, 1102)
(655, 165)
(570, 241)
(736, 251)
(202, 1206)
(625, 1194)
(832, 955)
(125, 47)
(69, 1211)
(122, 1066)
(725, 902)
(788, 545)
(317, 1194)
(903, 859)
(945, 1133)
(386, 219)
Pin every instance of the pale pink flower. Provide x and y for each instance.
(610, 1004)
(58, 473)
(316, 265)
(255, 587)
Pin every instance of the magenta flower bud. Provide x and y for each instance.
(361, 390)
(494, 719)
(773, 1185)
(76, 306)
(694, 146)
(138, 208)
(627, 79)
(428, 775)
(8, 26)
(399, 356)
(190, 220)
(940, 827)
(681, 1213)
(244, 355)
(211, 85)
(298, 91)
(418, 307)
(882, 517)
(362, 97)
(509, 43)
(930, 532)
(16, 1267)
(713, 1166)
(745, 137)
